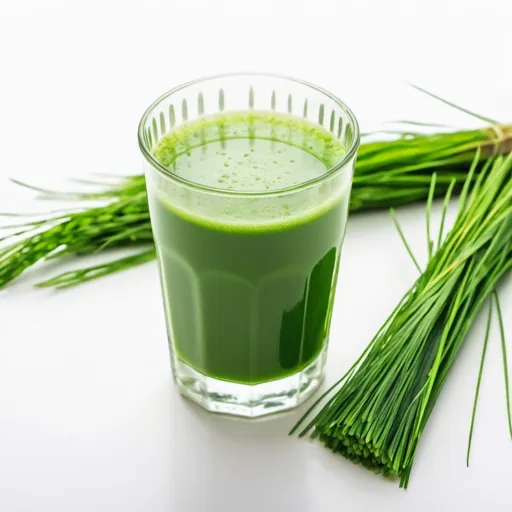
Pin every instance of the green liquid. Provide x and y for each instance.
(248, 289)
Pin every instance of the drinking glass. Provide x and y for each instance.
(248, 278)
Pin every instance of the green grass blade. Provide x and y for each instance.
(455, 106)
(444, 211)
(74, 277)
(479, 381)
(505, 362)
(402, 237)
(430, 243)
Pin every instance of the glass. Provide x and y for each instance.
(248, 302)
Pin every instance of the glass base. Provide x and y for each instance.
(250, 401)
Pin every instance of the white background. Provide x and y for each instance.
(89, 417)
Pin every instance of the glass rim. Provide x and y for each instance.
(340, 164)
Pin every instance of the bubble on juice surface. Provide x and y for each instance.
(257, 164)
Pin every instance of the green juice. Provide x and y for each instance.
(248, 282)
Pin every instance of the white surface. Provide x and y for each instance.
(89, 418)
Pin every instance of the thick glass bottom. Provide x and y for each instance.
(250, 401)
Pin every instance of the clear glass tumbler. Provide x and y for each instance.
(248, 296)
